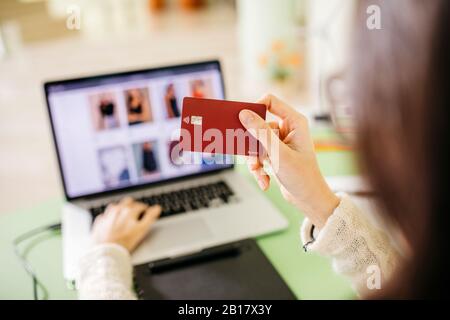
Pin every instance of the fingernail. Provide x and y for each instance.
(246, 117)
(261, 184)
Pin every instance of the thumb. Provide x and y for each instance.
(260, 130)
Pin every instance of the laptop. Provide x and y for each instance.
(114, 137)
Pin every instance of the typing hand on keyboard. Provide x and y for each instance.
(125, 223)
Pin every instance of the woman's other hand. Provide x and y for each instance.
(125, 223)
(290, 151)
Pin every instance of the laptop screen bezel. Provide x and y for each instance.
(49, 84)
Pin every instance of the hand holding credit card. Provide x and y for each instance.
(213, 126)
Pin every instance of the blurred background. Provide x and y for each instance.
(287, 47)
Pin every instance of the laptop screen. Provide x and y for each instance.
(116, 131)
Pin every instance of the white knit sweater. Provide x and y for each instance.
(358, 250)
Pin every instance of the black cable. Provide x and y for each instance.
(23, 260)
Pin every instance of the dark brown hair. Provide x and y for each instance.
(399, 85)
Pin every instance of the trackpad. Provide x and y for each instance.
(166, 238)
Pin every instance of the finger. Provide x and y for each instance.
(262, 179)
(111, 212)
(150, 216)
(98, 219)
(264, 182)
(262, 154)
(259, 129)
(256, 167)
(259, 171)
(253, 163)
(134, 210)
(105, 219)
(276, 106)
(277, 128)
(110, 207)
(126, 201)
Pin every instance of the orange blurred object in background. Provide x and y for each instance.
(158, 5)
(191, 4)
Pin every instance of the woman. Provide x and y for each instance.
(171, 102)
(149, 164)
(198, 89)
(138, 109)
(400, 98)
(108, 118)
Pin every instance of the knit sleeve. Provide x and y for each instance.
(105, 273)
(358, 249)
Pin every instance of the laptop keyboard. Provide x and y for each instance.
(184, 200)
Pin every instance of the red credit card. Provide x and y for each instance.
(213, 126)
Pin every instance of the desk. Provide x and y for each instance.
(308, 275)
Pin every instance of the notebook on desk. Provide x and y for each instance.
(239, 270)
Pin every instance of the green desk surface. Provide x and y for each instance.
(308, 275)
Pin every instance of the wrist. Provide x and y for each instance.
(322, 207)
(109, 246)
(326, 210)
(110, 242)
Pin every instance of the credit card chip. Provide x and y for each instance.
(196, 120)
